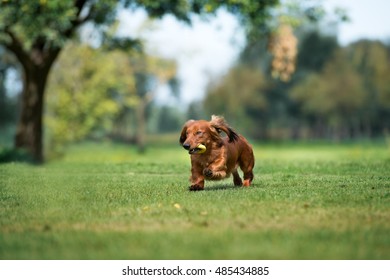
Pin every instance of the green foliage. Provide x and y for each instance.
(314, 201)
(372, 61)
(87, 90)
(101, 95)
(337, 101)
(52, 22)
(314, 51)
(253, 14)
(346, 92)
(49, 22)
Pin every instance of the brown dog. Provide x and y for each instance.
(222, 156)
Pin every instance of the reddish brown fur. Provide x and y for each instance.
(223, 155)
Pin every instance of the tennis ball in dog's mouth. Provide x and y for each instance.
(201, 148)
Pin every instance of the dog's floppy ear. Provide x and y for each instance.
(220, 124)
(183, 135)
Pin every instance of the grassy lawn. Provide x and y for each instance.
(105, 201)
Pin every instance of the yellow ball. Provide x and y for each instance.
(201, 148)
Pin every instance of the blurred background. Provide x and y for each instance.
(135, 71)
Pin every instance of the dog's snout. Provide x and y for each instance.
(186, 146)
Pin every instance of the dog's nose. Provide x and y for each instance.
(186, 146)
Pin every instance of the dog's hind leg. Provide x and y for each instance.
(248, 178)
(247, 162)
(236, 178)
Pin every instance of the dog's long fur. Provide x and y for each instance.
(223, 155)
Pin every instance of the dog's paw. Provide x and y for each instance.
(207, 173)
(196, 188)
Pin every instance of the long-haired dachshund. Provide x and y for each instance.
(214, 157)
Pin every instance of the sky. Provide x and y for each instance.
(368, 19)
(207, 49)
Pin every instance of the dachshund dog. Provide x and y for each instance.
(214, 157)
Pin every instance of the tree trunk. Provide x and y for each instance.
(29, 133)
(141, 125)
(36, 62)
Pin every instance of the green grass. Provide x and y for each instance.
(105, 201)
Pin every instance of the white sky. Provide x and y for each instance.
(208, 49)
(369, 19)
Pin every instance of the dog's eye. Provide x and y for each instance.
(198, 132)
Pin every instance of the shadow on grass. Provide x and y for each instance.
(220, 188)
(227, 187)
(15, 155)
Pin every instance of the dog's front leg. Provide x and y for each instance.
(197, 179)
(216, 170)
(215, 173)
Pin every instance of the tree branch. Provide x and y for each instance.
(16, 47)
(79, 4)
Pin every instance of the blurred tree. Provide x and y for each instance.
(315, 50)
(169, 119)
(333, 98)
(87, 98)
(350, 95)
(106, 94)
(371, 59)
(35, 31)
(195, 111)
(239, 96)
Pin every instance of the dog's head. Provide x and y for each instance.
(206, 133)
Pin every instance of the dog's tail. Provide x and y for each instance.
(220, 124)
